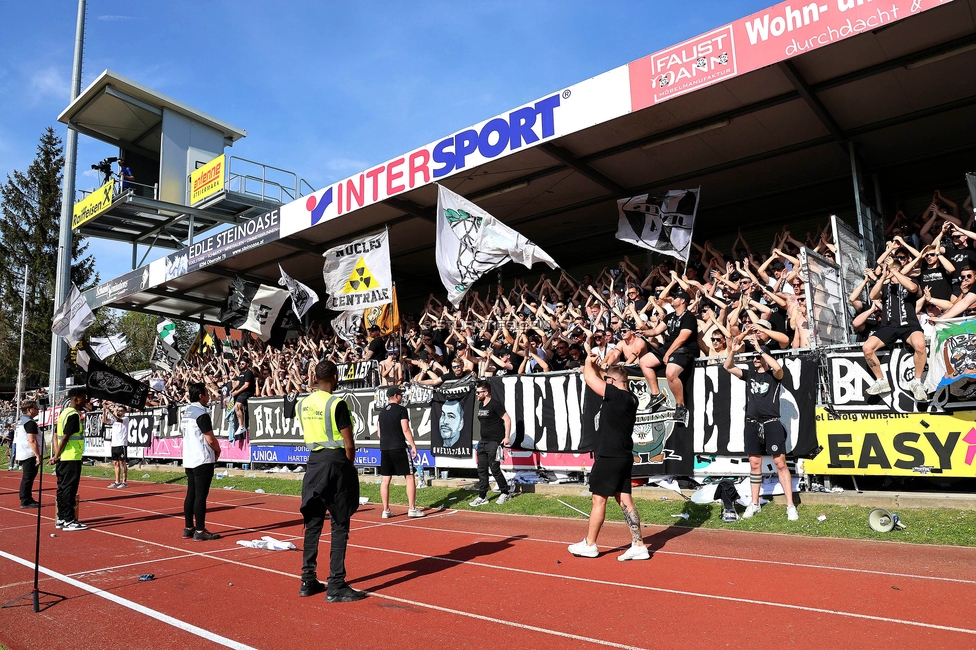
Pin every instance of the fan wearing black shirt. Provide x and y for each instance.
(376, 350)
(395, 435)
(614, 459)
(496, 430)
(763, 431)
(244, 389)
(680, 351)
(899, 322)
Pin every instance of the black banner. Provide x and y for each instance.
(107, 383)
(452, 422)
(545, 410)
(141, 428)
(850, 377)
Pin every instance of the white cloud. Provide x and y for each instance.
(48, 83)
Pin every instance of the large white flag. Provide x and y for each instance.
(73, 317)
(661, 222)
(302, 297)
(263, 311)
(357, 274)
(471, 242)
(348, 325)
(105, 347)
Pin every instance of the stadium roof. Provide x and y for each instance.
(765, 125)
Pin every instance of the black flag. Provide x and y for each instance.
(239, 297)
(107, 383)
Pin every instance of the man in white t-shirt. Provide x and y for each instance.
(200, 453)
(29, 446)
(115, 417)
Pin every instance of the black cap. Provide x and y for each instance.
(681, 293)
(394, 390)
(627, 325)
(373, 328)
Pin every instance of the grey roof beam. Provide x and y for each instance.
(810, 97)
(566, 157)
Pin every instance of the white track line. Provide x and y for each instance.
(136, 607)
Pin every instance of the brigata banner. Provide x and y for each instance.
(92, 205)
(895, 444)
(207, 180)
(764, 38)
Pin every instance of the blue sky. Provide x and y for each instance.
(324, 89)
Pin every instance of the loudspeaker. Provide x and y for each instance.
(883, 521)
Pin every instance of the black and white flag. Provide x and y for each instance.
(302, 297)
(662, 221)
(105, 347)
(471, 242)
(252, 307)
(73, 317)
(164, 356)
(107, 383)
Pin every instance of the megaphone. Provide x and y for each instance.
(882, 521)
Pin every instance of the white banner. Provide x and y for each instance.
(661, 222)
(302, 297)
(106, 347)
(357, 274)
(471, 242)
(73, 317)
(263, 311)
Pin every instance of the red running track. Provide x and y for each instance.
(459, 579)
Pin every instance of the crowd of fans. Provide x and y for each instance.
(665, 316)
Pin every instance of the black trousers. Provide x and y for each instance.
(29, 468)
(69, 476)
(331, 485)
(487, 454)
(198, 481)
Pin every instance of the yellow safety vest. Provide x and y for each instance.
(317, 416)
(76, 442)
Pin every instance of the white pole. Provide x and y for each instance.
(20, 359)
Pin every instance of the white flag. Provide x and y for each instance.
(357, 275)
(106, 347)
(348, 325)
(471, 242)
(661, 222)
(167, 331)
(302, 297)
(263, 311)
(73, 317)
(83, 359)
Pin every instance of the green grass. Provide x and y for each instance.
(924, 526)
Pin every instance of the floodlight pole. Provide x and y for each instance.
(63, 283)
(20, 358)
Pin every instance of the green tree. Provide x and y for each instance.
(30, 217)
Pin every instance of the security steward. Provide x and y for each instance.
(69, 445)
(331, 484)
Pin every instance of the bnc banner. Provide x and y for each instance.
(895, 444)
(850, 377)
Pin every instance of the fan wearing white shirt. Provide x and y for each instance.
(118, 420)
(200, 453)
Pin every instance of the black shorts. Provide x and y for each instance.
(242, 398)
(395, 462)
(120, 453)
(889, 333)
(682, 359)
(772, 441)
(611, 475)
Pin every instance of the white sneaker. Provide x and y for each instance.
(751, 510)
(582, 549)
(240, 431)
(74, 525)
(918, 390)
(59, 523)
(123, 484)
(113, 484)
(879, 387)
(387, 514)
(634, 553)
(503, 498)
(415, 512)
(791, 513)
(480, 501)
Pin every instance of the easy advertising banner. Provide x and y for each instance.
(92, 205)
(895, 444)
(207, 180)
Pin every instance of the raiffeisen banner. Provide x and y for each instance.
(596, 100)
(764, 38)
